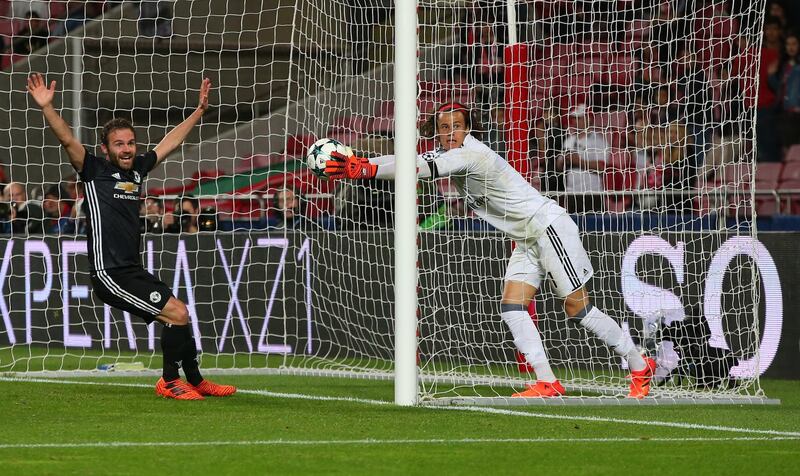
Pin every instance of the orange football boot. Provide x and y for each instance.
(542, 389)
(640, 381)
(212, 389)
(177, 389)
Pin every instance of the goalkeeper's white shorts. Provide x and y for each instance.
(557, 254)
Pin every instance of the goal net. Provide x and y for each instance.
(638, 119)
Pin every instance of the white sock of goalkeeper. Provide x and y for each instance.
(528, 340)
(607, 330)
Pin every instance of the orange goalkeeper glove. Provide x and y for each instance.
(352, 167)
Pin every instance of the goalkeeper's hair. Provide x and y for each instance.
(472, 118)
(113, 125)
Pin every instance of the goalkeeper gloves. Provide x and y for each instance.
(352, 167)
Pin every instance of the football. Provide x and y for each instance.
(320, 152)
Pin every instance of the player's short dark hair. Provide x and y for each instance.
(115, 124)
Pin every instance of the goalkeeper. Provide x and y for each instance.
(548, 241)
(112, 208)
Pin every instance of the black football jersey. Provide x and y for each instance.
(111, 204)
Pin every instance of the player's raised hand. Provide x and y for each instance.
(39, 90)
(205, 87)
(351, 167)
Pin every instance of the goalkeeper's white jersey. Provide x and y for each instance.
(491, 187)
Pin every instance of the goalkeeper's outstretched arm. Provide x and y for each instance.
(384, 168)
(43, 95)
(360, 168)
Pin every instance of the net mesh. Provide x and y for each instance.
(637, 118)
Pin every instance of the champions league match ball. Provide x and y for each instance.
(320, 152)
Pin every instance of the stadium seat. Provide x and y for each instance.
(790, 202)
(766, 206)
(638, 34)
(576, 91)
(58, 10)
(591, 68)
(597, 48)
(545, 87)
(617, 204)
(791, 171)
(736, 173)
(714, 52)
(793, 154)
(768, 172)
(354, 122)
(425, 145)
(296, 145)
(382, 126)
(739, 203)
(620, 171)
(613, 119)
(426, 106)
(563, 51)
(384, 109)
(555, 68)
(621, 70)
(724, 27)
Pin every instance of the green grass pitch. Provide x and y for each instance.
(301, 425)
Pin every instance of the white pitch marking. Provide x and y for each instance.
(496, 411)
(123, 444)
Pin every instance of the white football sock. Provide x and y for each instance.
(607, 330)
(528, 340)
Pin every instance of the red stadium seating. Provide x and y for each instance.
(791, 171)
(591, 68)
(724, 27)
(735, 174)
(296, 145)
(638, 34)
(766, 205)
(620, 171)
(384, 109)
(353, 123)
(768, 172)
(552, 68)
(621, 70)
(597, 48)
(58, 9)
(790, 203)
(793, 155)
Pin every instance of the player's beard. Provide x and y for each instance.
(124, 165)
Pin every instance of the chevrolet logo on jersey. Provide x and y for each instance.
(127, 187)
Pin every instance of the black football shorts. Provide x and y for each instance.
(131, 289)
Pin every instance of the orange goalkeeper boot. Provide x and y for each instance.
(542, 389)
(177, 389)
(212, 389)
(640, 381)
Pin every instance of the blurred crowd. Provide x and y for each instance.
(635, 95)
(29, 25)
